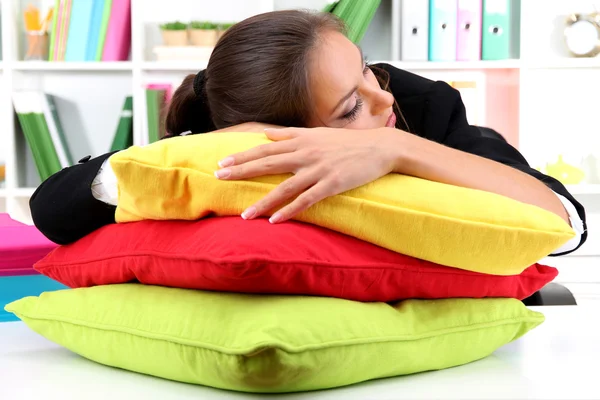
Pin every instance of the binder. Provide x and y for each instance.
(468, 36)
(500, 31)
(79, 30)
(117, 43)
(94, 30)
(442, 30)
(414, 42)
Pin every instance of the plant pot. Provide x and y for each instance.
(175, 38)
(203, 37)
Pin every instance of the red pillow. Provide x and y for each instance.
(232, 255)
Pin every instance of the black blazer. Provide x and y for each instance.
(64, 209)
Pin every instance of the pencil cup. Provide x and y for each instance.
(37, 46)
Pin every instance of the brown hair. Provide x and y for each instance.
(256, 72)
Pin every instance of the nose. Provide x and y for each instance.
(381, 101)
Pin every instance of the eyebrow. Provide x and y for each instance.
(354, 89)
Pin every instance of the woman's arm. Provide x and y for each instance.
(433, 161)
(64, 208)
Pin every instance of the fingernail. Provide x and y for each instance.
(223, 173)
(275, 218)
(226, 162)
(249, 213)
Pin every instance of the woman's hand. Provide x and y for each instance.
(324, 161)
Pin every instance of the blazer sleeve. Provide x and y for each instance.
(462, 136)
(63, 207)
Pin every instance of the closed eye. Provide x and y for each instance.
(352, 114)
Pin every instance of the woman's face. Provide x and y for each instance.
(346, 93)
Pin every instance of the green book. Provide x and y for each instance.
(29, 106)
(124, 135)
(356, 14)
(53, 41)
(103, 29)
(154, 103)
(55, 129)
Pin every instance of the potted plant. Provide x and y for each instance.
(174, 33)
(222, 28)
(203, 33)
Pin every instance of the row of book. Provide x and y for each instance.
(459, 30)
(90, 30)
(45, 136)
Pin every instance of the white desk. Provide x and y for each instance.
(558, 360)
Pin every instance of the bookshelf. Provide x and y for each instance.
(535, 99)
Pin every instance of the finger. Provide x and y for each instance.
(270, 165)
(307, 199)
(283, 192)
(264, 150)
(277, 134)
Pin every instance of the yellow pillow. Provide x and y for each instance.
(458, 227)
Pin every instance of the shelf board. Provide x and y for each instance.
(584, 189)
(19, 192)
(454, 65)
(23, 192)
(563, 63)
(187, 66)
(71, 66)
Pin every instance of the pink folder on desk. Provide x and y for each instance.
(21, 246)
(468, 35)
(118, 35)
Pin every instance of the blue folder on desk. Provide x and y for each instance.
(16, 287)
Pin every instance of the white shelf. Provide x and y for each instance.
(562, 63)
(193, 66)
(454, 65)
(23, 192)
(71, 66)
(18, 193)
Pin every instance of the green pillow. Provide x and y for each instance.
(260, 343)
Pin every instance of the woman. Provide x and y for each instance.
(359, 123)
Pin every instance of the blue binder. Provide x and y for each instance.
(442, 30)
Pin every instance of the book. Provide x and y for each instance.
(117, 43)
(93, 38)
(124, 134)
(36, 113)
(155, 100)
(79, 30)
(356, 14)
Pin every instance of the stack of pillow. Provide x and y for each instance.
(399, 276)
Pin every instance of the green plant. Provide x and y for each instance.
(173, 26)
(202, 25)
(225, 26)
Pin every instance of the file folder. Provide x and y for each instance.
(500, 31)
(468, 36)
(442, 30)
(414, 45)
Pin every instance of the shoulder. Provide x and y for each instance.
(429, 107)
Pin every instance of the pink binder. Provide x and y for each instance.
(118, 35)
(468, 37)
(20, 247)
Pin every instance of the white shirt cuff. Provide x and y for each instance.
(104, 186)
(576, 224)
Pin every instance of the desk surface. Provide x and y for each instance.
(557, 360)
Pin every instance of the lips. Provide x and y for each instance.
(391, 122)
